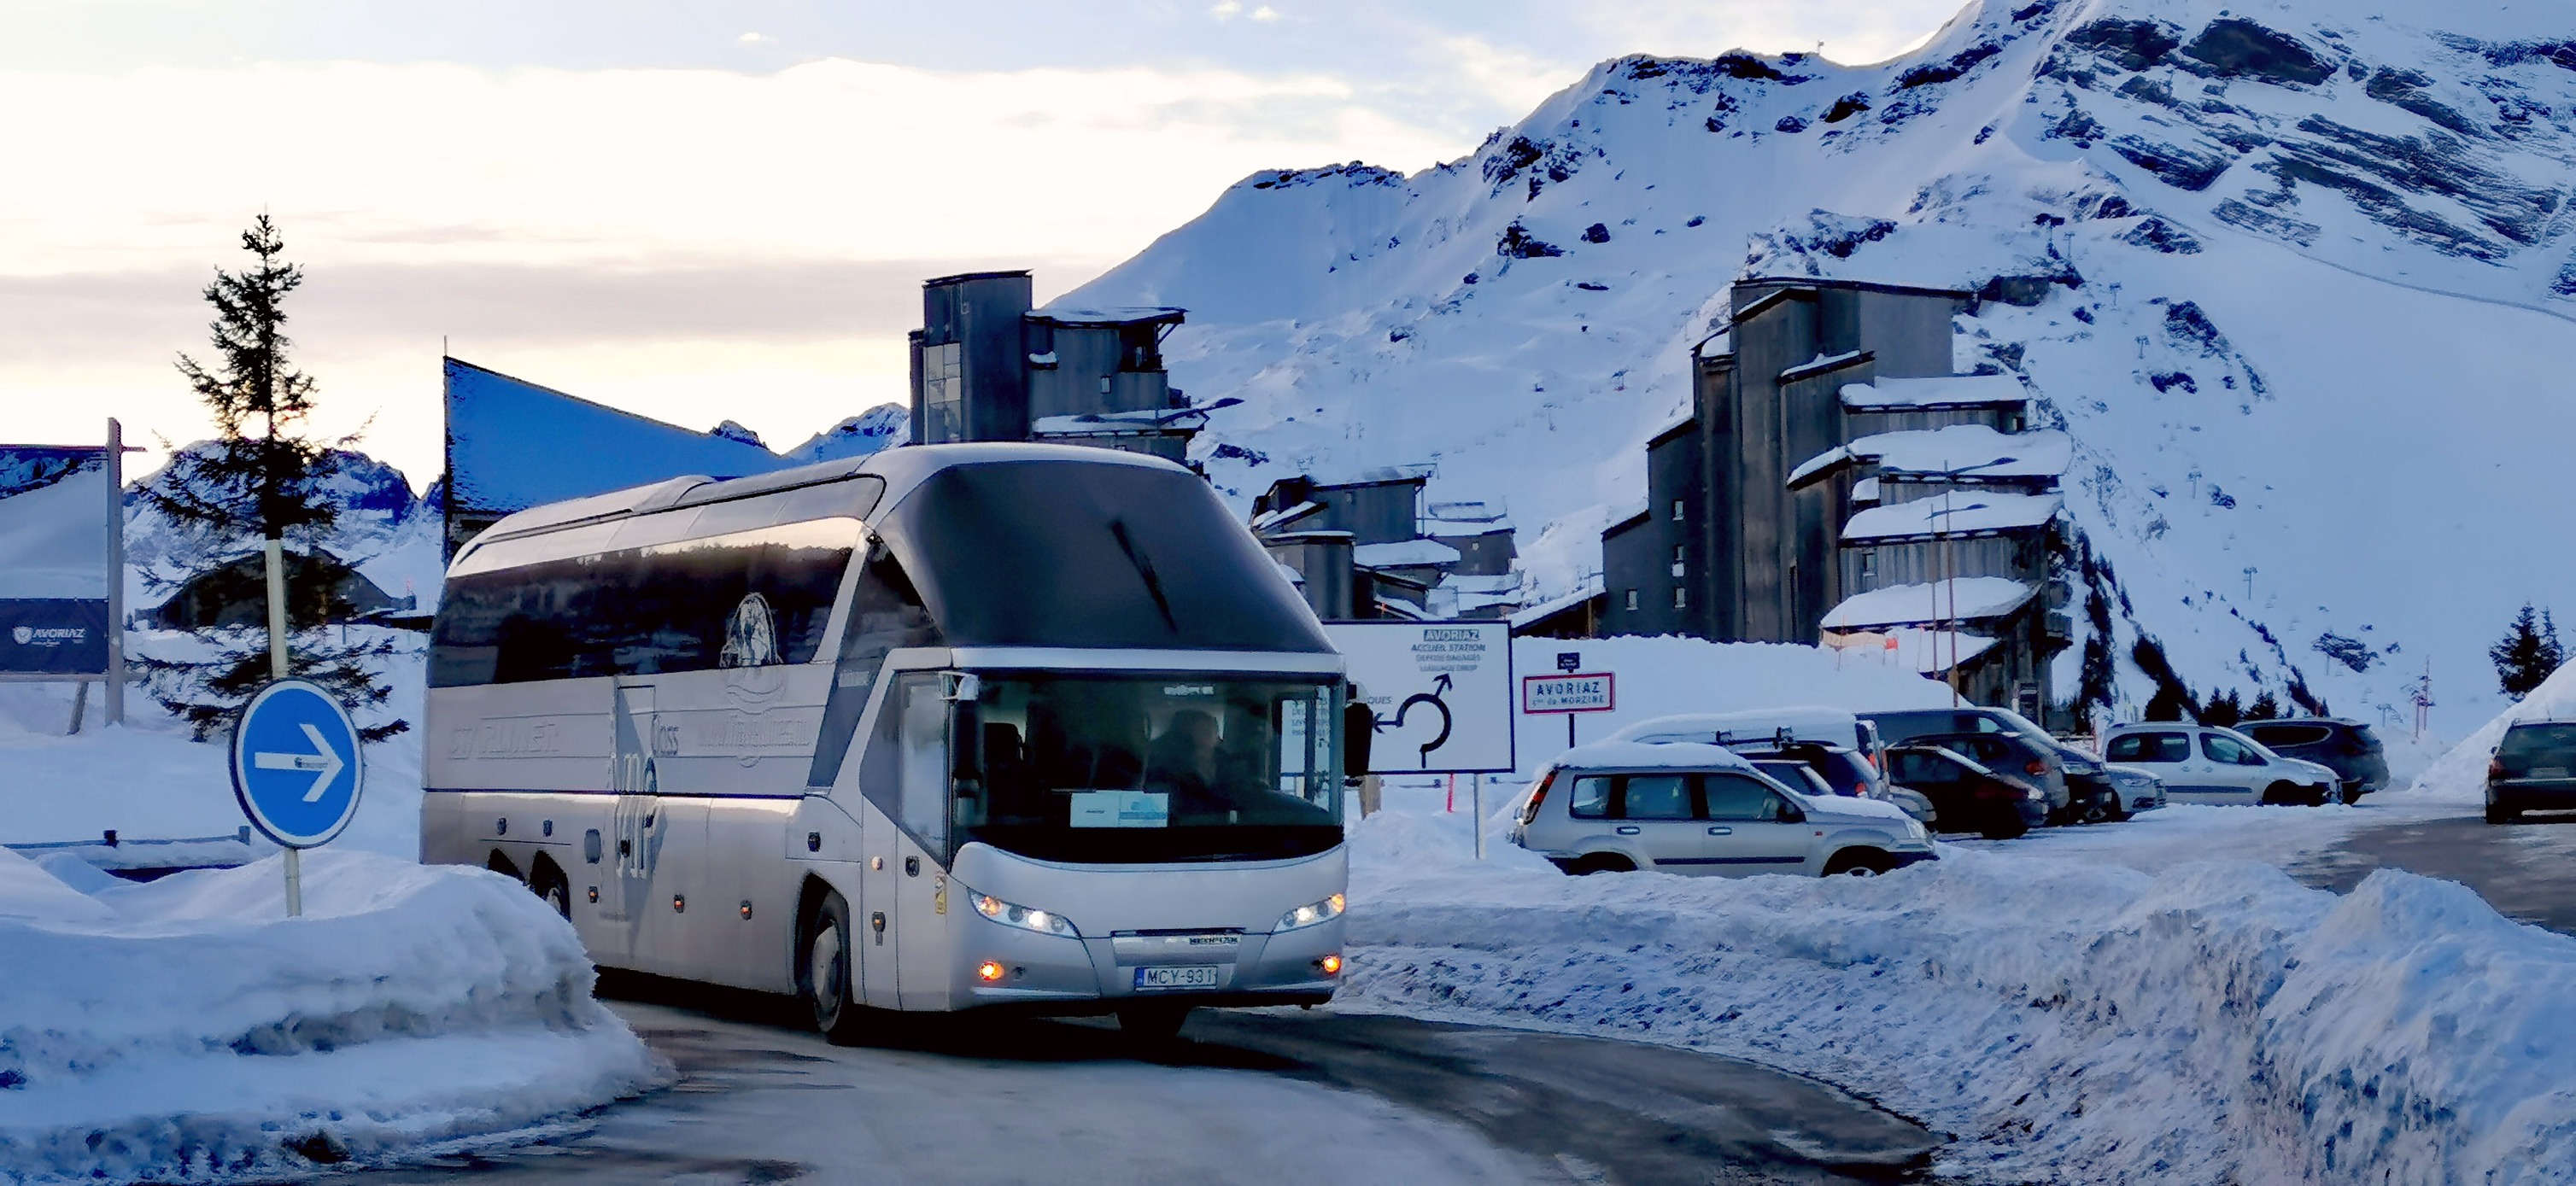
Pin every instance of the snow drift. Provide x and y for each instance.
(2460, 775)
(187, 1031)
(2062, 1021)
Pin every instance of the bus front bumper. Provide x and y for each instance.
(1019, 970)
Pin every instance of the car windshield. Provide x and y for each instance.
(2260, 750)
(1130, 769)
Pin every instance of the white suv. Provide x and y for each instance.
(1689, 808)
(2206, 764)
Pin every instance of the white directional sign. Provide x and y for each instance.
(1567, 693)
(296, 767)
(1441, 693)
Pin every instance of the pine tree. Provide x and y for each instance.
(259, 479)
(2266, 707)
(2527, 654)
(2222, 710)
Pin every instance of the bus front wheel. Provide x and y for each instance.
(823, 976)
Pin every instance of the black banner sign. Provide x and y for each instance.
(53, 635)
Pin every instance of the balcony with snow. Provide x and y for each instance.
(1405, 556)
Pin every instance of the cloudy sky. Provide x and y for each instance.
(697, 211)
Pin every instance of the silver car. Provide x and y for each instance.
(2207, 764)
(1692, 808)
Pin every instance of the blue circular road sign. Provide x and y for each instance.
(296, 768)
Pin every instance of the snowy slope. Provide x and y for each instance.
(2311, 276)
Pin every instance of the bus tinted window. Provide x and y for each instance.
(1051, 553)
(747, 599)
(1124, 769)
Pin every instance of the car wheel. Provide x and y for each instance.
(1602, 863)
(2115, 811)
(2005, 829)
(823, 973)
(2502, 815)
(2278, 793)
(1858, 862)
(2097, 810)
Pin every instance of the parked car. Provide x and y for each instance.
(2138, 788)
(1684, 807)
(2534, 769)
(1843, 771)
(1968, 796)
(2079, 787)
(1827, 726)
(2348, 747)
(2206, 764)
(2020, 757)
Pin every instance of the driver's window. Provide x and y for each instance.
(2226, 752)
(1735, 797)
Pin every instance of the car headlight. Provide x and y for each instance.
(1013, 915)
(1914, 829)
(1310, 914)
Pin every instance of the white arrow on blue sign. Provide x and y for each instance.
(296, 766)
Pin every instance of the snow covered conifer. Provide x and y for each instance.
(2266, 707)
(2528, 653)
(259, 479)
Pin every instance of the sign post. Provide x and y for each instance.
(297, 771)
(1568, 694)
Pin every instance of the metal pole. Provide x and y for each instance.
(115, 704)
(275, 551)
(1476, 804)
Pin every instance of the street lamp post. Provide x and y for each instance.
(1946, 568)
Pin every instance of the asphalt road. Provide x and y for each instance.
(1278, 1096)
(2527, 871)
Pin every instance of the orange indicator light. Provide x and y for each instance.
(1331, 965)
(988, 971)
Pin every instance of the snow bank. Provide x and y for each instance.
(2062, 1020)
(187, 1031)
(2460, 775)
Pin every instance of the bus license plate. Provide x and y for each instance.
(1192, 976)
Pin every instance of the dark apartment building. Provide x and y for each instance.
(986, 366)
(1836, 479)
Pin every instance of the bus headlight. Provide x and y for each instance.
(1310, 914)
(1011, 914)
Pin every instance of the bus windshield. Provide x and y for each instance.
(1126, 769)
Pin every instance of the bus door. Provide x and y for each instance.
(903, 937)
(636, 827)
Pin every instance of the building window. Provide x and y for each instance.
(1677, 510)
(1868, 563)
(943, 393)
(1681, 598)
(1677, 560)
(1632, 599)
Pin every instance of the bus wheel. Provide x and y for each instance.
(1152, 1024)
(549, 884)
(823, 972)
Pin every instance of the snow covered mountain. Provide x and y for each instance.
(2311, 264)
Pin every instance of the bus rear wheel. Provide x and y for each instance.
(1152, 1025)
(823, 969)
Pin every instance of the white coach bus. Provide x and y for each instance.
(950, 727)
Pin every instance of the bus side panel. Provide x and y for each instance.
(553, 735)
(745, 936)
(738, 731)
